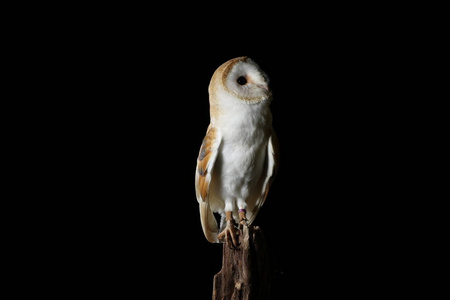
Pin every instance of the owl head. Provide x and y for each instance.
(241, 78)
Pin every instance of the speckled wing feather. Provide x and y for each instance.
(205, 165)
(271, 168)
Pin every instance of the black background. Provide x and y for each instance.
(134, 104)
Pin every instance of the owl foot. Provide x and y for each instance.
(229, 234)
(242, 218)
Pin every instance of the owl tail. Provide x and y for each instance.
(209, 223)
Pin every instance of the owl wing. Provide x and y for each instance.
(270, 169)
(205, 165)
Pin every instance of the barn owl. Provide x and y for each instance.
(238, 157)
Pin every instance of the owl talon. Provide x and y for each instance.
(229, 235)
(242, 223)
(242, 218)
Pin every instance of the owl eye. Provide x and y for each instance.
(242, 80)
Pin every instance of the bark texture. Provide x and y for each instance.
(245, 273)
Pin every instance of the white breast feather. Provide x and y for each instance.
(244, 133)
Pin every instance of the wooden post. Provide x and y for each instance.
(245, 273)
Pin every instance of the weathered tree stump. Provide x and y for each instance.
(245, 273)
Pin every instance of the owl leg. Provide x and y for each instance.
(230, 233)
(242, 217)
(242, 212)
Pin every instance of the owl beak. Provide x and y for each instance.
(264, 87)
